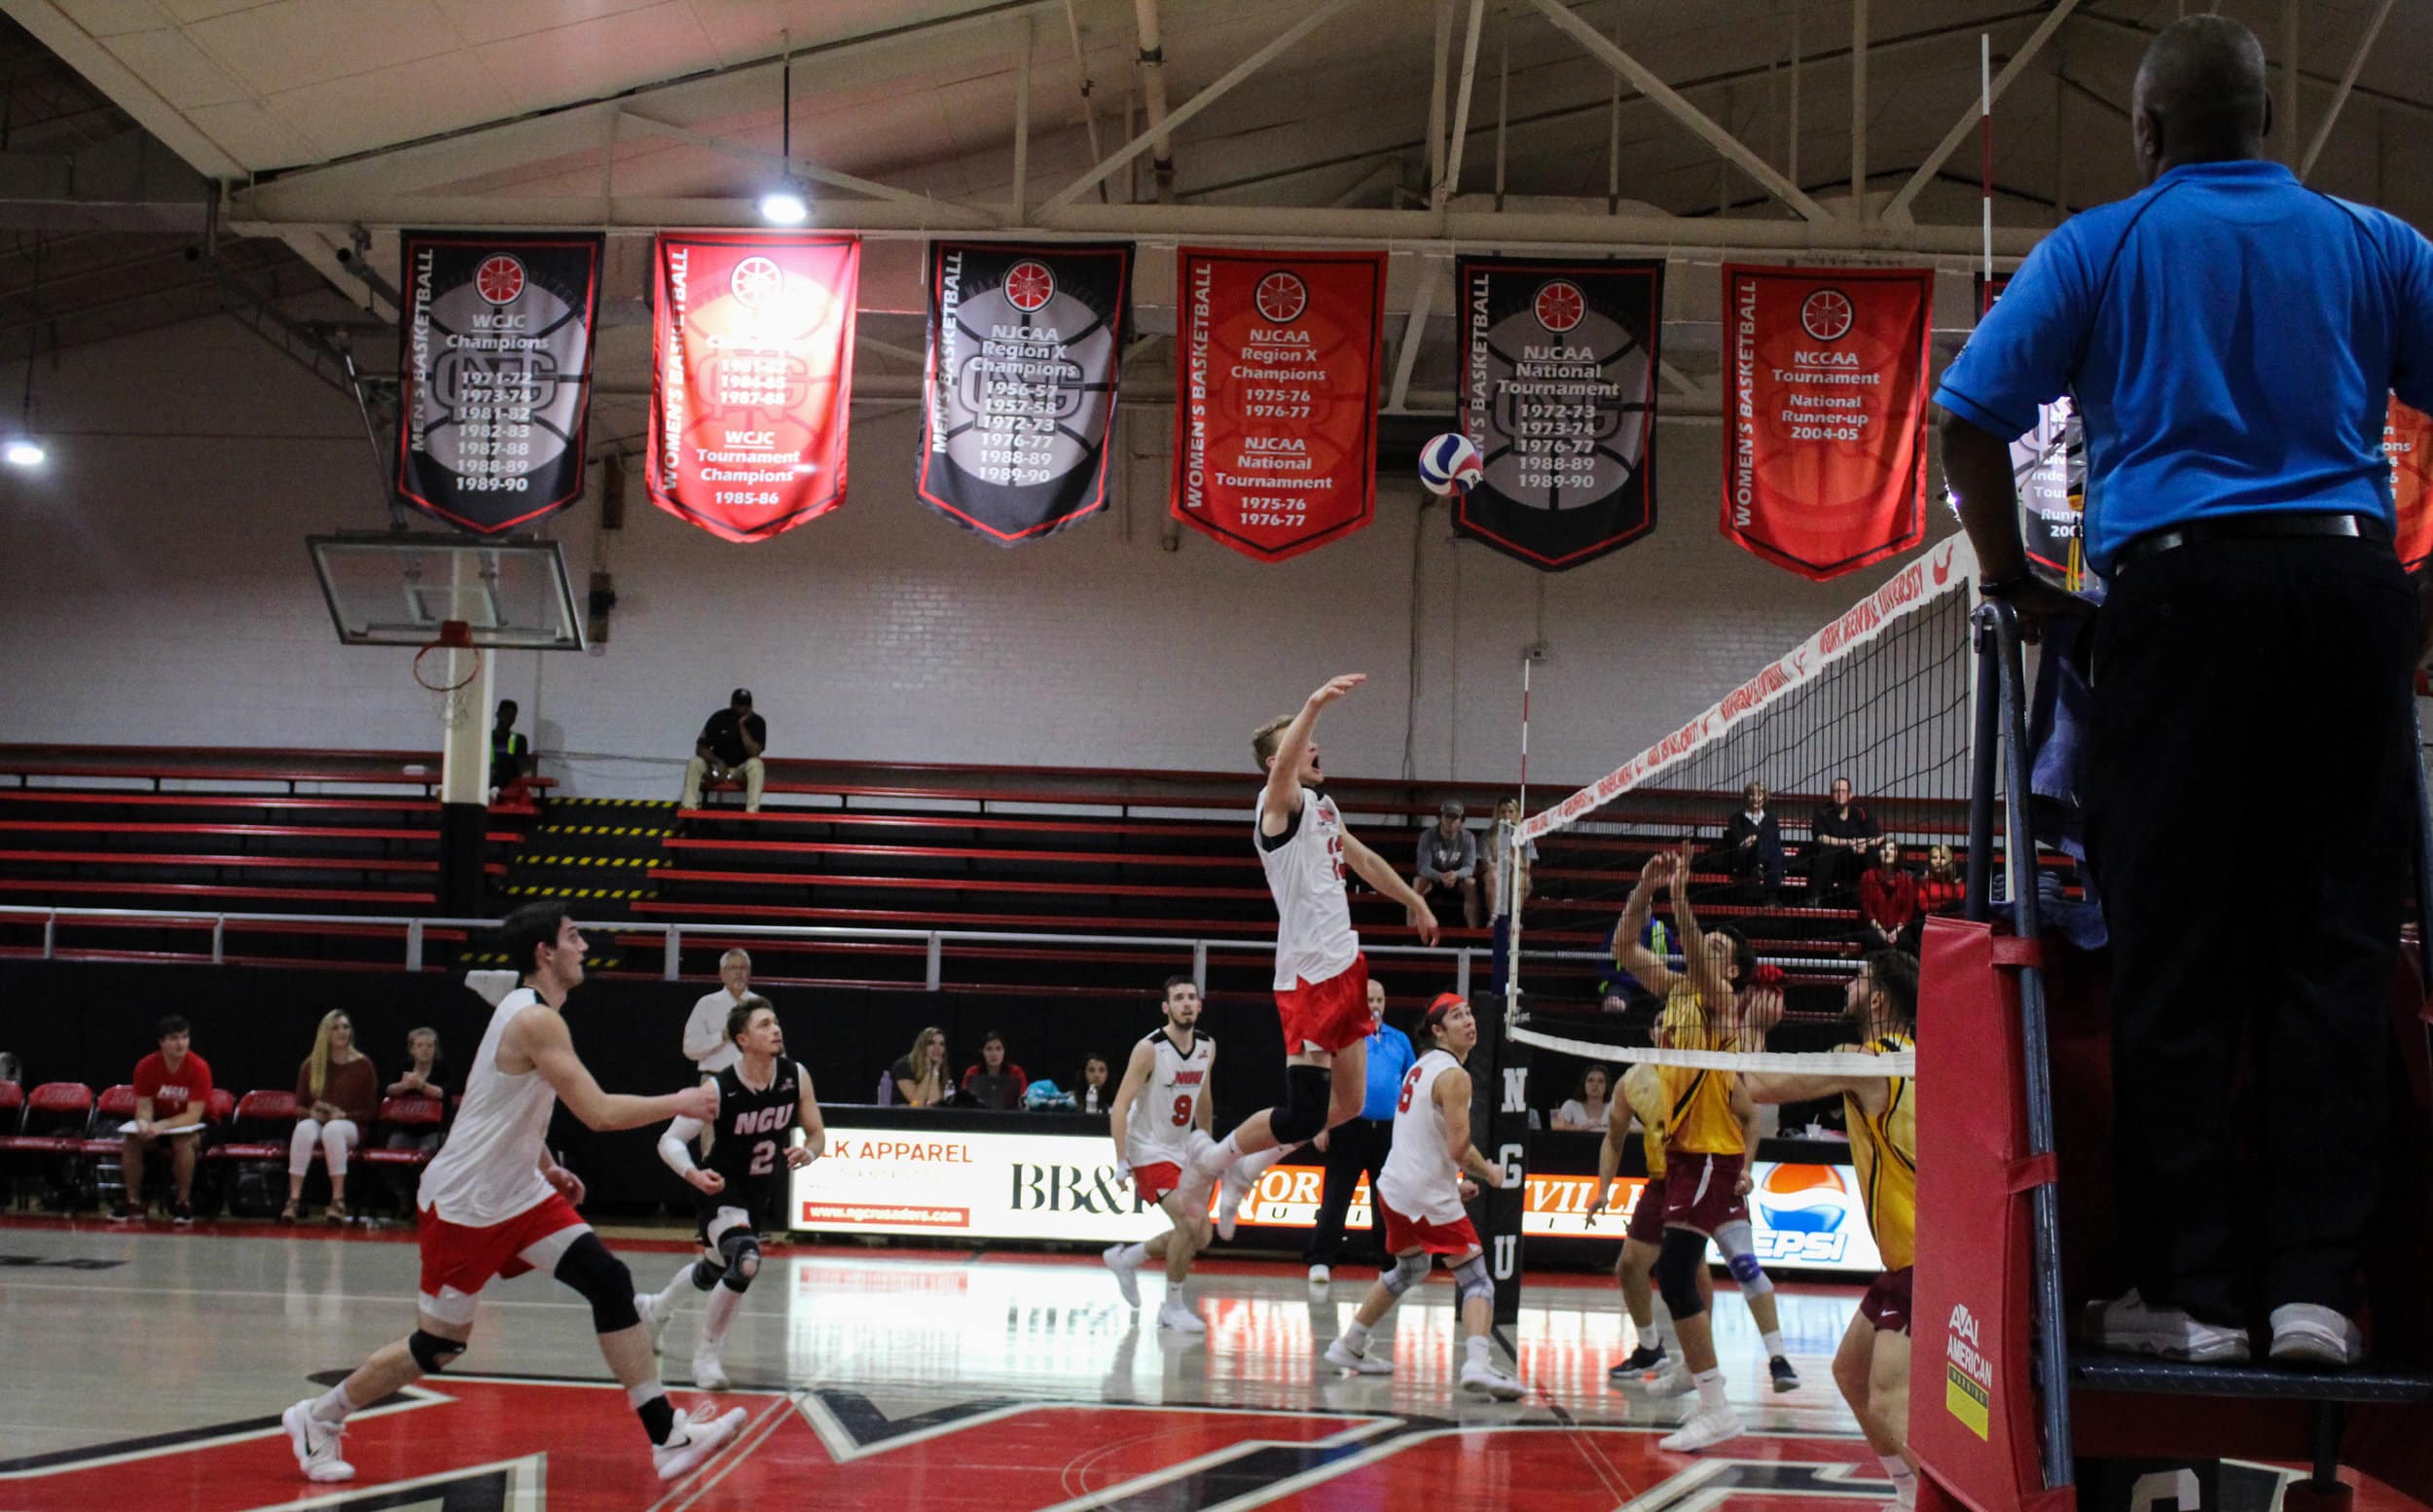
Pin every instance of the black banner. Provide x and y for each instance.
(1499, 1117)
(1558, 394)
(493, 373)
(1025, 343)
(2048, 466)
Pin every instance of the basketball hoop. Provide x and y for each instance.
(450, 682)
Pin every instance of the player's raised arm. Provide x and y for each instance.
(1281, 797)
(1385, 879)
(1630, 952)
(541, 1035)
(1707, 974)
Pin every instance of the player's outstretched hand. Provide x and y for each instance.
(708, 1182)
(1424, 920)
(1659, 867)
(1335, 688)
(698, 1103)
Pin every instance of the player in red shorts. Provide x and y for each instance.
(493, 1203)
(1321, 979)
(1162, 1103)
(1419, 1193)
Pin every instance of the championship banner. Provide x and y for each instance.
(494, 374)
(1276, 407)
(1020, 392)
(1825, 457)
(1558, 395)
(2408, 441)
(752, 378)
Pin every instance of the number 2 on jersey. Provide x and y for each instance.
(764, 1156)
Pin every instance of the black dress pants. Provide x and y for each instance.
(2251, 814)
(1353, 1146)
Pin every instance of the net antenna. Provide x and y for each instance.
(450, 671)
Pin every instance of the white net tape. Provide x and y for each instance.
(1822, 1062)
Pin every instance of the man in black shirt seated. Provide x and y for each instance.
(1838, 839)
(730, 745)
(1753, 847)
(510, 754)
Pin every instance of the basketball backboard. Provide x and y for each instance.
(397, 588)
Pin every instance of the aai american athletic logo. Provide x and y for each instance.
(1805, 1214)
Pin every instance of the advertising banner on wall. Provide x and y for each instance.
(1558, 364)
(2048, 467)
(494, 373)
(752, 378)
(1276, 397)
(2408, 441)
(1019, 398)
(1825, 449)
(989, 1185)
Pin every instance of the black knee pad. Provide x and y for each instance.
(432, 1353)
(606, 1283)
(1676, 1271)
(1302, 1115)
(705, 1275)
(740, 1249)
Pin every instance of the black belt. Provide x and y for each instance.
(2247, 528)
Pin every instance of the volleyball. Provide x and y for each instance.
(1448, 464)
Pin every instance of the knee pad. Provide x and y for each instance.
(706, 1275)
(432, 1353)
(741, 1250)
(1408, 1271)
(1469, 1280)
(1302, 1115)
(1740, 1254)
(1676, 1271)
(605, 1283)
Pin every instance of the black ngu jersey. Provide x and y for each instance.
(749, 1140)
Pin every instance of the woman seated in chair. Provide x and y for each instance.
(337, 1091)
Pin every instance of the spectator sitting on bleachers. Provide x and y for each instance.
(1448, 858)
(1943, 889)
(921, 1074)
(1092, 1093)
(172, 1088)
(422, 1077)
(729, 745)
(1587, 1108)
(994, 1082)
(510, 754)
(1838, 839)
(1752, 851)
(337, 1091)
(1889, 912)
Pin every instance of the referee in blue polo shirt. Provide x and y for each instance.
(1359, 1144)
(2229, 337)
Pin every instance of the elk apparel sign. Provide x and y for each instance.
(1824, 451)
(493, 373)
(1276, 396)
(752, 376)
(1557, 391)
(1020, 390)
(2408, 441)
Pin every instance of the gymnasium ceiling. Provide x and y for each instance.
(277, 132)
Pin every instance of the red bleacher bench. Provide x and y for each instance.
(421, 1114)
(260, 1106)
(64, 1109)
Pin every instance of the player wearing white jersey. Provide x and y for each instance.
(1161, 1105)
(495, 1203)
(1321, 979)
(1432, 1170)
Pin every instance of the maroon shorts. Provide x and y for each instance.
(1330, 1015)
(1702, 1192)
(464, 1259)
(1886, 1304)
(1647, 1219)
(1154, 1182)
(1402, 1234)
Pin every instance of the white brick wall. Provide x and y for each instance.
(159, 592)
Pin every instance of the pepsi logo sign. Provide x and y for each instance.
(1805, 1214)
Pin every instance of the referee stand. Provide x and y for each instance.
(2013, 1222)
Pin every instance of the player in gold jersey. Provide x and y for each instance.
(1872, 1366)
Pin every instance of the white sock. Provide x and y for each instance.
(1131, 1256)
(1903, 1480)
(1177, 1294)
(644, 1394)
(1477, 1346)
(1252, 1164)
(672, 1296)
(1231, 1146)
(1774, 1344)
(723, 1301)
(1651, 1332)
(1356, 1336)
(333, 1406)
(1711, 1391)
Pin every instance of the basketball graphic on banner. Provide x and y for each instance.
(1826, 314)
(1587, 466)
(465, 379)
(1559, 306)
(500, 279)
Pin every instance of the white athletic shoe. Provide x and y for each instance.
(1231, 1195)
(1488, 1381)
(1320, 1277)
(1342, 1356)
(1706, 1428)
(2131, 1327)
(1672, 1378)
(2304, 1333)
(710, 1373)
(653, 1317)
(1127, 1277)
(1178, 1317)
(316, 1443)
(694, 1441)
(1205, 1157)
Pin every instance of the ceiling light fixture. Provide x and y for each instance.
(787, 201)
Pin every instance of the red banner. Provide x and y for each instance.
(2408, 441)
(1824, 459)
(752, 371)
(1276, 410)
